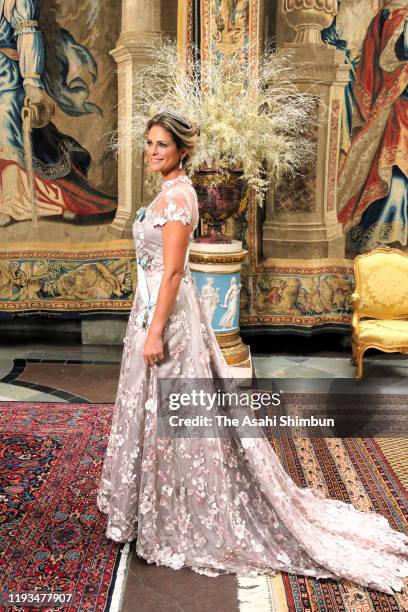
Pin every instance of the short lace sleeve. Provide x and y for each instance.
(175, 205)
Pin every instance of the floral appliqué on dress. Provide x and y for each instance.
(218, 505)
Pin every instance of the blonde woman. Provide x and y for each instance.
(217, 504)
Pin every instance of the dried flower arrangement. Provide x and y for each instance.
(260, 125)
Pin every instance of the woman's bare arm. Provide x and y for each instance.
(176, 238)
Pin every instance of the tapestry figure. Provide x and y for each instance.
(373, 183)
(44, 69)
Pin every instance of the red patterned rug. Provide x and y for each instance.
(52, 537)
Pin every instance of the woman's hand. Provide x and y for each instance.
(153, 348)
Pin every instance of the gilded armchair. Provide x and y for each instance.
(380, 303)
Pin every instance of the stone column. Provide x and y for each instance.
(302, 214)
(141, 26)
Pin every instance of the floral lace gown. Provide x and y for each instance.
(219, 505)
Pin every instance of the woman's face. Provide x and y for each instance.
(162, 153)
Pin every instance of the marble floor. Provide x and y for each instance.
(77, 373)
(71, 373)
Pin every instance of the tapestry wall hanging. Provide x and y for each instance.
(58, 178)
(351, 56)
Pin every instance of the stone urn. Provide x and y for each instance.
(309, 17)
(219, 196)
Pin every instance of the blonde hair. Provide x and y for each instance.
(184, 134)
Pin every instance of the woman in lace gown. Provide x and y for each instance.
(215, 505)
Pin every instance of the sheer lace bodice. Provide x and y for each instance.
(177, 201)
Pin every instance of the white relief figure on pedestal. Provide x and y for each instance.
(231, 303)
(211, 297)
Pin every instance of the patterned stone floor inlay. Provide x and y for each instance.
(49, 379)
(90, 374)
(96, 382)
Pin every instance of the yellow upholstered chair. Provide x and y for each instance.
(380, 303)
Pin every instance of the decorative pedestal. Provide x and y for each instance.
(216, 269)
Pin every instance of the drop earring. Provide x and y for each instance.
(181, 163)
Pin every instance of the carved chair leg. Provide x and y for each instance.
(353, 359)
(360, 364)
